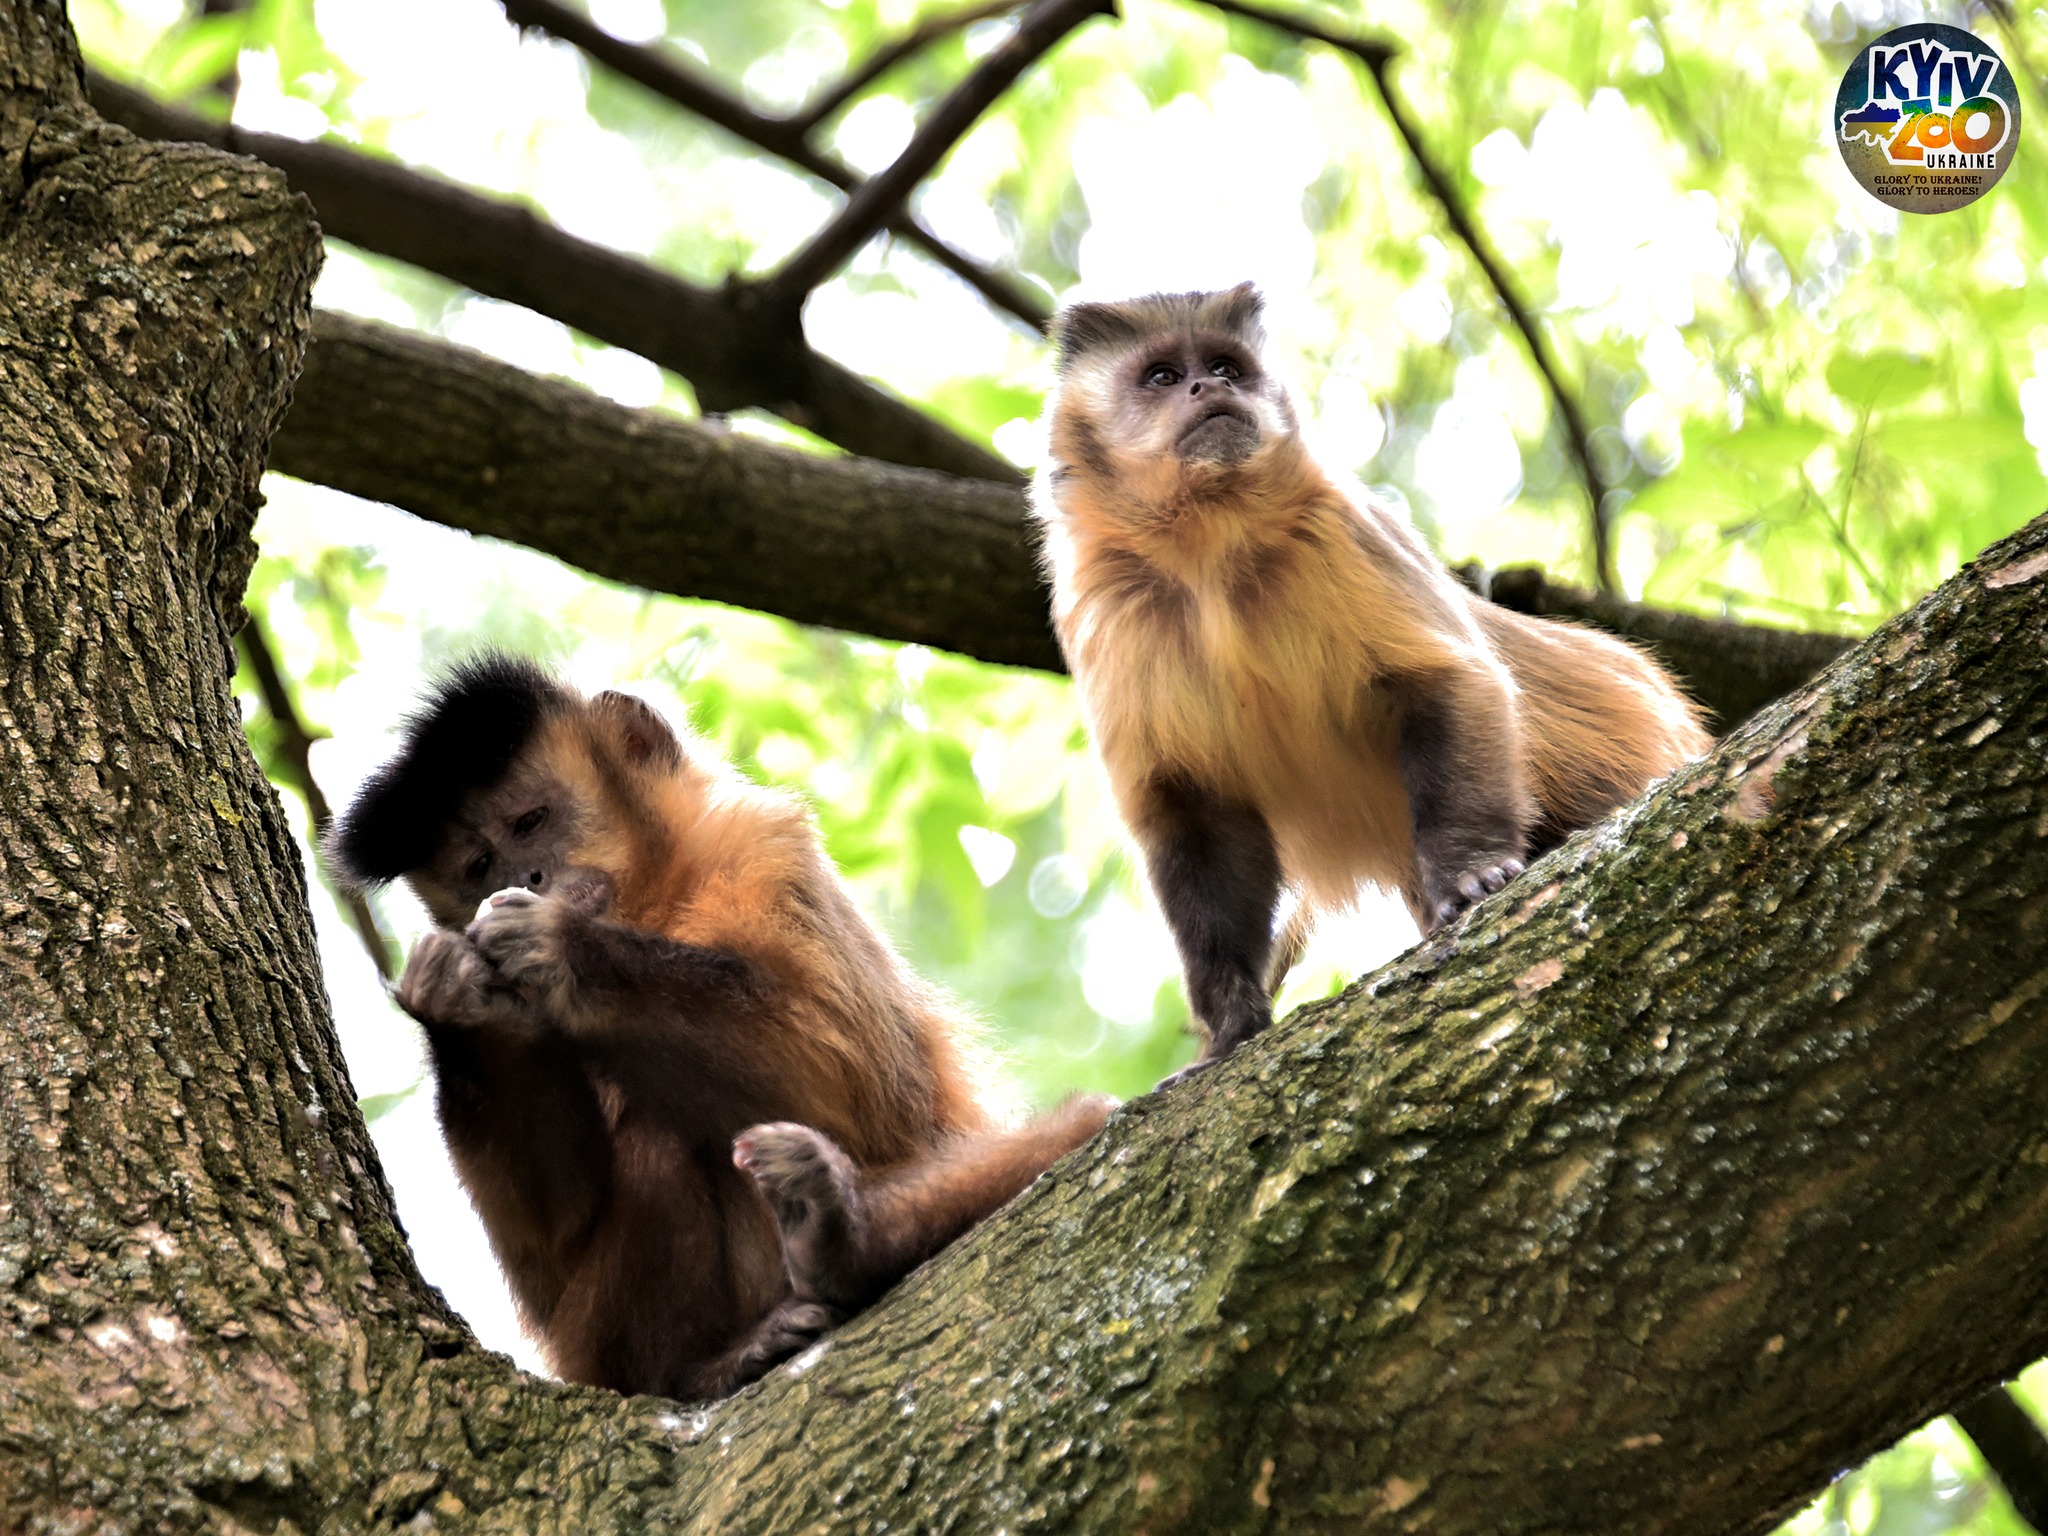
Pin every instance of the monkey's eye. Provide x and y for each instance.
(1162, 375)
(529, 821)
(1224, 368)
(480, 865)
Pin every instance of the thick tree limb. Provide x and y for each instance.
(788, 138)
(649, 498)
(644, 497)
(876, 200)
(504, 250)
(1378, 56)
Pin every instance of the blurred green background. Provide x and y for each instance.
(1811, 409)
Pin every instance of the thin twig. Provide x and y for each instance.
(503, 249)
(920, 37)
(295, 751)
(1377, 55)
(784, 137)
(2013, 1447)
(877, 200)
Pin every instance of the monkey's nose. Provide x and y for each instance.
(1195, 388)
(536, 880)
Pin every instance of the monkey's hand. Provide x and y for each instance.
(447, 982)
(523, 938)
(1450, 894)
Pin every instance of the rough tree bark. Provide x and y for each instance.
(1699, 1164)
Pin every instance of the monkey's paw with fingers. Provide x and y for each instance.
(1471, 888)
(790, 1329)
(447, 982)
(522, 936)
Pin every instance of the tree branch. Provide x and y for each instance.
(2013, 1447)
(295, 747)
(648, 498)
(920, 37)
(1734, 669)
(872, 204)
(504, 250)
(788, 138)
(1378, 56)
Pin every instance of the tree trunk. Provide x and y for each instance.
(1701, 1163)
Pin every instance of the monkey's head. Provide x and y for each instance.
(1168, 393)
(507, 777)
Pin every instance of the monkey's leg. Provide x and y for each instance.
(847, 1236)
(1471, 813)
(1216, 871)
(791, 1327)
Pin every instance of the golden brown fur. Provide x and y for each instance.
(670, 1048)
(1261, 645)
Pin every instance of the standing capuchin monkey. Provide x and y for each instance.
(702, 1108)
(1285, 686)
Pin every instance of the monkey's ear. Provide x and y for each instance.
(1242, 310)
(647, 738)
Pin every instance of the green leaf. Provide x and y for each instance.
(1877, 381)
(376, 1106)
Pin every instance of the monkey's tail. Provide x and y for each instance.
(916, 1210)
(1290, 945)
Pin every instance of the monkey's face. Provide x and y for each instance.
(1163, 401)
(1196, 398)
(525, 831)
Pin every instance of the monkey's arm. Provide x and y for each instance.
(1216, 871)
(605, 983)
(1463, 770)
(522, 1121)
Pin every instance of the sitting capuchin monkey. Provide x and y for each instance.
(703, 1109)
(1286, 687)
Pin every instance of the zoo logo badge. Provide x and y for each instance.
(1927, 118)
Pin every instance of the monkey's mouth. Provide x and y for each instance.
(1224, 433)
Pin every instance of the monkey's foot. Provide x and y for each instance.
(1473, 887)
(790, 1328)
(814, 1191)
(1194, 1068)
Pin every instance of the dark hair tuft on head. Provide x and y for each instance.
(1080, 329)
(465, 736)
